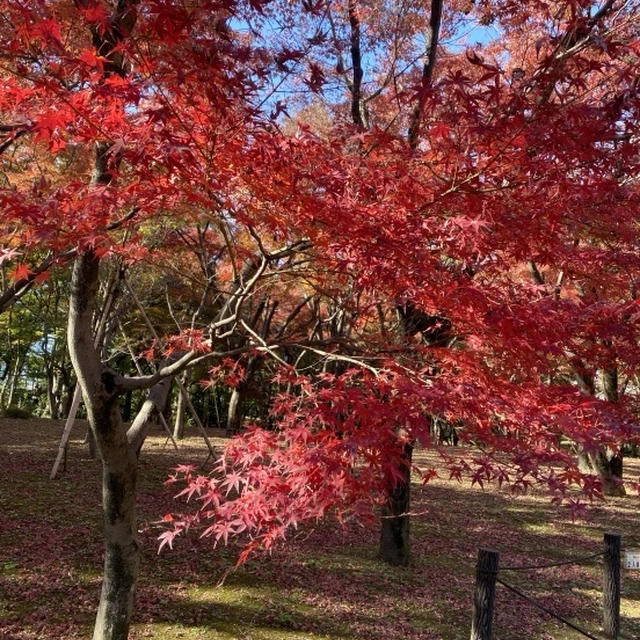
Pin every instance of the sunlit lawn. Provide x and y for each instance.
(324, 584)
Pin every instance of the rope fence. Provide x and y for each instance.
(487, 577)
(548, 611)
(553, 564)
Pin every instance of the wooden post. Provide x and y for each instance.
(611, 586)
(484, 594)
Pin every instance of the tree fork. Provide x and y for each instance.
(118, 458)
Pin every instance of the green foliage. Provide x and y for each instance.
(15, 412)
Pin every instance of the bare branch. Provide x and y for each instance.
(292, 316)
(145, 382)
(357, 115)
(337, 356)
(118, 223)
(12, 138)
(427, 71)
(23, 285)
(535, 273)
(136, 364)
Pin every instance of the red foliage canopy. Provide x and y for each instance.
(527, 159)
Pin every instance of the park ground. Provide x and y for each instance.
(324, 585)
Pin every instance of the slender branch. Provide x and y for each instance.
(338, 48)
(292, 316)
(336, 356)
(155, 401)
(427, 72)
(12, 138)
(263, 343)
(572, 42)
(8, 128)
(118, 223)
(23, 285)
(602, 12)
(535, 273)
(243, 290)
(145, 382)
(139, 370)
(356, 61)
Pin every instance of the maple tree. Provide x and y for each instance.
(508, 380)
(429, 186)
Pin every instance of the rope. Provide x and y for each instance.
(552, 564)
(535, 603)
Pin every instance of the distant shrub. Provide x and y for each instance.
(15, 412)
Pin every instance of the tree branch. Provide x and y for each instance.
(356, 62)
(427, 72)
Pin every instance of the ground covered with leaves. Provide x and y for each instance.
(325, 584)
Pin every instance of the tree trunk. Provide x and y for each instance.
(181, 406)
(126, 406)
(607, 463)
(67, 403)
(584, 462)
(52, 404)
(122, 552)
(234, 412)
(609, 469)
(100, 391)
(608, 466)
(394, 534)
(206, 409)
(178, 426)
(92, 445)
(13, 381)
(12, 386)
(101, 399)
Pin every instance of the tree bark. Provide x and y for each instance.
(394, 537)
(606, 463)
(99, 385)
(181, 406)
(52, 404)
(584, 462)
(608, 466)
(394, 533)
(13, 380)
(122, 550)
(92, 445)
(234, 412)
(118, 458)
(67, 401)
(609, 463)
(126, 406)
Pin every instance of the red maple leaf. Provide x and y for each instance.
(20, 272)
